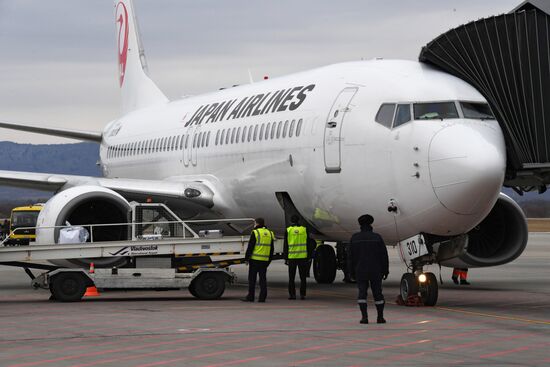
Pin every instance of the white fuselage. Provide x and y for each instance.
(443, 176)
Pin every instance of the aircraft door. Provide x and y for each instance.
(195, 145)
(333, 130)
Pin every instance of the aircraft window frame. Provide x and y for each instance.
(267, 130)
(490, 117)
(291, 128)
(285, 129)
(299, 127)
(228, 136)
(243, 139)
(273, 129)
(448, 103)
(396, 115)
(261, 133)
(378, 118)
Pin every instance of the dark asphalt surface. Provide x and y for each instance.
(502, 319)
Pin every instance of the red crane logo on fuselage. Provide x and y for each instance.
(121, 17)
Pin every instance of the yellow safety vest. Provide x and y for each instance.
(262, 248)
(297, 242)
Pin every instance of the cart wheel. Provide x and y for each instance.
(192, 289)
(209, 285)
(68, 287)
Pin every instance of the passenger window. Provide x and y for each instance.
(217, 137)
(299, 127)
(279, 129)
(181, 142)
(222, 137)
(186, 141)
(173, 145)
(291, 131)
(385, 114)
(255, 132)
(233, 132)
(228, 136)
(267, 130)
(244, 134)
(285, 129)
(250, 131)
(208, 139)
(273, 126)
(238, 135)
(261, 137)
(195, 140)
(402, 115)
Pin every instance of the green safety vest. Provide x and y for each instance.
(297, 242)
(262, 248)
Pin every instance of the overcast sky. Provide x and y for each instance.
(58, 61)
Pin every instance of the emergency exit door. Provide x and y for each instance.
(333, 130)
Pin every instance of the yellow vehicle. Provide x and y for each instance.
(23, 216)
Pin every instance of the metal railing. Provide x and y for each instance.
(176, 229)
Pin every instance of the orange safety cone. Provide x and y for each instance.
(92, 268)
(91, 292)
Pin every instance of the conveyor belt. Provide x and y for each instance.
(507, 58)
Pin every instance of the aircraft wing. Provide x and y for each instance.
(65, 133)
(195, 190)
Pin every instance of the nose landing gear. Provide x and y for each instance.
(419, 286)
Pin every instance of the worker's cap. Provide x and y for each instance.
(294, 219)
(365, 219)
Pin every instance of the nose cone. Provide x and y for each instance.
(467, 165)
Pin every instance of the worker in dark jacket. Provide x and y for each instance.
(258, 255)
(297, 251)
(370, 261)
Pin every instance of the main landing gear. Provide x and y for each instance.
(418, 282)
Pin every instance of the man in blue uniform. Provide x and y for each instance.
(370, 261)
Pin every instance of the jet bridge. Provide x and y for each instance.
(507, 58)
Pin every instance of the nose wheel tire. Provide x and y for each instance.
(429, 290)
(408, 286)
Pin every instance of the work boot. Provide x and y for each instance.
(291, 297)
(364, 314)
(380, 319)
(247, 299)
(464, 282)
(455, 280)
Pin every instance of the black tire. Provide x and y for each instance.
(192, 289)
(209, 285)
(324, 264)
(430, 290)
(408, 286)
(68, 287)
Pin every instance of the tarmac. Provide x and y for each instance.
(502, 319)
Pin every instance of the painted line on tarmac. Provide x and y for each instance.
(500, 317)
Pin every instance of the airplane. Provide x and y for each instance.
(415, 147)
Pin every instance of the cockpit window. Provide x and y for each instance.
(385, 114)
(435, 111)
(403, 115)
(476, 110)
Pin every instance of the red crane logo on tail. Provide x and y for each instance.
(121, 17)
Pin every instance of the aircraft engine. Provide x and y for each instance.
(83, 205)
(499, 239)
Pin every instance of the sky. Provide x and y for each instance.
(58, 61)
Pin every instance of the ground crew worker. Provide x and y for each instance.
(462, 274)
(297, 253)
(370, 261)
(259, 255)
